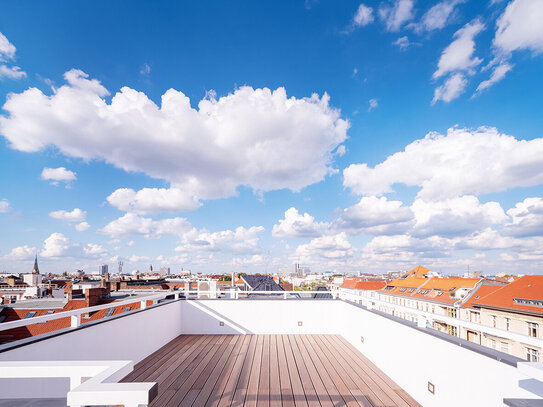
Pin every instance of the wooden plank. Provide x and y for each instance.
(399, 395)
(332, 363)
(166, 360)
(323, 373)
(275, 383)
(185, 381)
(230, 373)
(351, 355)
(337, 376)
(263, 397)
(182, 367)
(218, 370)
(287, 395)
(251, 397)
(240, 379)
(153, 358)
(364, 384)
(309, 389)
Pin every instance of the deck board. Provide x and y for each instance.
(266, 371)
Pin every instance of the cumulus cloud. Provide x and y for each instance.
(453, 87)
(396, 14)
(4, 206)
(520, 28)
(76, 215)
(57, 175)
(81, 227)
(458, 56)
(11, 72)
(152, 200)
(58, 246)
(526, 218)
(375, 216)
(438, 16)
(453, 217)
(331, 247)
(461, 162)
(7, 53)
(21, 253)
(254, 260)
(258, 138)
(132, 224)
(240, 240)
(296, 225)
(363, 16)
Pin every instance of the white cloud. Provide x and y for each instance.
(81, 227)
(453, 217)
(330, 247)
(296, 225)
(152, 200)
(76, 215)
(11, 72)
(4, 206)
(498, 74)
(462, 162)
(240, 240)
(94, 250)
(526, 218)
(396, 14)
(132, 224)
(363, 16)
(402, 42)
(375, 216)
(7, 53)
(21, 253)
(458, 56)
(453, 87)
(253, 137)
(56, 175)
(438, 16)
(373, 104)
(56, 245)
(254, 260)
(520, 27)
(7, 49)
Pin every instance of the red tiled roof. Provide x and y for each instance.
(56, 324)
(526, 288)
(481, 293)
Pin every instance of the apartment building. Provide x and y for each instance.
(516, 307)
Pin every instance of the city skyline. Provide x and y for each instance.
(356, 136)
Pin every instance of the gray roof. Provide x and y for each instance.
(261, 283)
(40, 303)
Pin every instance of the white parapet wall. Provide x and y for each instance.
(129, 337)
(411, 356)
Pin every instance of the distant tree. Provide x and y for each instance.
(225, 278)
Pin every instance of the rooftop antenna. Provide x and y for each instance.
(120, 266)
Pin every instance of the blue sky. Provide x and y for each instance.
(245, 136)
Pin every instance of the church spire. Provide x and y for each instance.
(36, 270)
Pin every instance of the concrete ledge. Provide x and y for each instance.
(523, 402)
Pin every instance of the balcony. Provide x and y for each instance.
(258, 351)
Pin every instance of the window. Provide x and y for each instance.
(451, 312)
(504, 347)
(30, 314)
(439, 294)
(492, 343)
(532, 355)
(507, 324)
(532, 329)
(109, 312)
(493, 320)
(402, 289)
(126, 309)
(451, 330)
(475, 317)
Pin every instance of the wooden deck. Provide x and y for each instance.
(268, 371)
